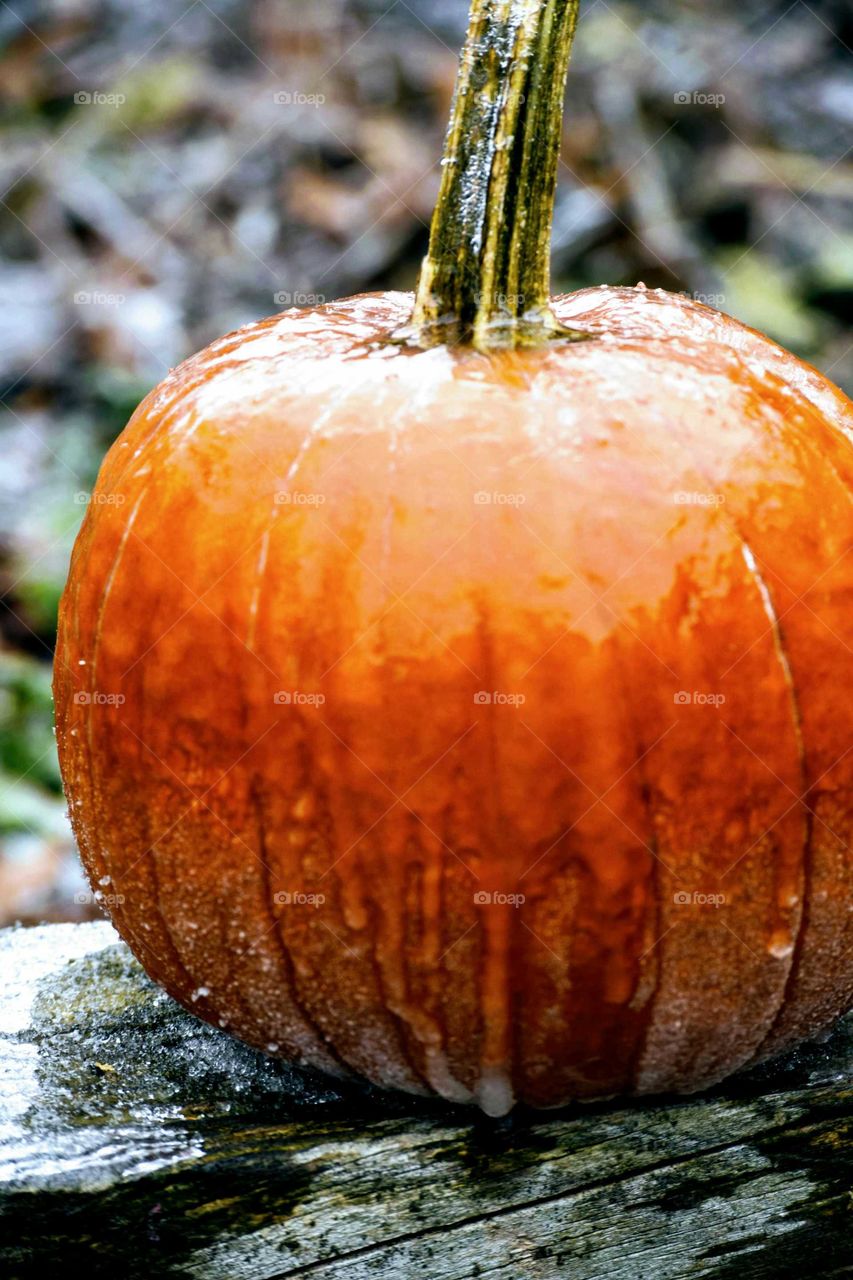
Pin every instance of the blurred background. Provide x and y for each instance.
(170, 171)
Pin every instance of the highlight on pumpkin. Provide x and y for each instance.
(450, 683)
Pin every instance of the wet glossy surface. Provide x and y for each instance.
(582, 534)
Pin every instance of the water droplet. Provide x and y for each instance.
(81, 662)
(494, 1092)
(781, 945)
(303, 806)
(272, 1047)
(105, 880)
(200, 993)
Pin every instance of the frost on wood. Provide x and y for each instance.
(88, 1040)
(138, 1140)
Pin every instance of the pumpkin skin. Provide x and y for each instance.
(299, 509)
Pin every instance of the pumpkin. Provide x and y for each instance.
(458, 695)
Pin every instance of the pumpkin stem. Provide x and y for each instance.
(486, 279)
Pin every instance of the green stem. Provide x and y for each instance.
(486, 278)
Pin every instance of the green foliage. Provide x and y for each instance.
(27, 744)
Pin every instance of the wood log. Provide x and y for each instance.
(136, 1141)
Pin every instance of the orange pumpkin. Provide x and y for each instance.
(463, 704)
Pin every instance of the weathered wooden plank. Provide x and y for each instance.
(141, 1140)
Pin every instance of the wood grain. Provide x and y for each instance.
(137, 1141)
